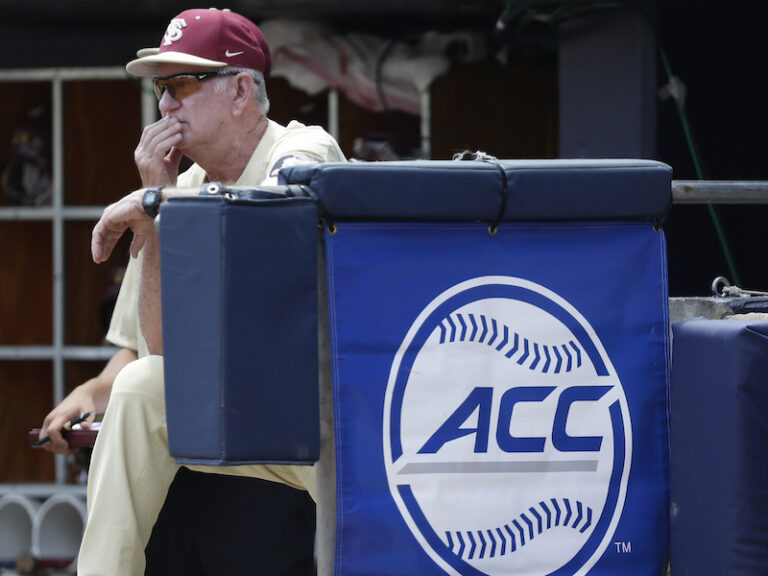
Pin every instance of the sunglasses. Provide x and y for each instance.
(179, 86)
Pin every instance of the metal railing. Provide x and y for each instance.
(719, 192)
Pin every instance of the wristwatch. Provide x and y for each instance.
(153, 196)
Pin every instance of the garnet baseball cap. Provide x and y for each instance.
(206, 38)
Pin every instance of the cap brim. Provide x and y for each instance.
(147, 65)
(147, 52)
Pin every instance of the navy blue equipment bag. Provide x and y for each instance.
(240, 329)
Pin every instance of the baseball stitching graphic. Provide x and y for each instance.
(507, 539)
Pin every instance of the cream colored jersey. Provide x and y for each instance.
(281, 146)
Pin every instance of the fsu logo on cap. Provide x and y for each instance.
(174, 31)
(507, 436)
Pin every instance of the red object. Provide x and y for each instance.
(76, 438)
(29, 564)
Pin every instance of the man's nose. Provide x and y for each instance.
(167, 102)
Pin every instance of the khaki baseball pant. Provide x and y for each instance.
(131, 471)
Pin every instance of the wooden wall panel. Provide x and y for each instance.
(507, 111)
(101, 130)
(288, 103)
(18, 100)
(26, 283)
(26, 395)
(399, 129)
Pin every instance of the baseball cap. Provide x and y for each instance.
(207, 38)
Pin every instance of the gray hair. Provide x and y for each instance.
(262, 100)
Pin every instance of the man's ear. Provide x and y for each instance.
(244, 88)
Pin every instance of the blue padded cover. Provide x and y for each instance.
(719, 426)
(433, 326)
(239, 288)
(472, 190)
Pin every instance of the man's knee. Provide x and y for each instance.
(308, 476)
(143, 376)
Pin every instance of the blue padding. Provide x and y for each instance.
(240, 330)
(472, 190)
(437, 331)
(719, 426)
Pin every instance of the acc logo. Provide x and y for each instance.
(507, 438)
(174, 31)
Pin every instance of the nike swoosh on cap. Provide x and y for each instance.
(229, 54)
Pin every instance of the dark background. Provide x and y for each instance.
(718, 50)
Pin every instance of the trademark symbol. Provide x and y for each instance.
(623, 547)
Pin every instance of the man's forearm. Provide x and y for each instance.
(128, 213)
(100, 387)
(150, 318)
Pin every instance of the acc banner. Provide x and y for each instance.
(500, 400)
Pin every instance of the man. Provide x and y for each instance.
(209, 77)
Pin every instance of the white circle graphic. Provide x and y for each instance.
(507, 437)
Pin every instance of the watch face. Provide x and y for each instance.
(151, 201)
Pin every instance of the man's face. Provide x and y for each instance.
(198, 107)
